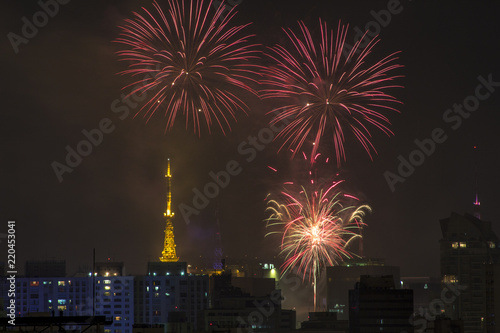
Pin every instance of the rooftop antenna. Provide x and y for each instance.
(477, 204)
(218, 265)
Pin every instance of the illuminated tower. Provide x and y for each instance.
(168, 253)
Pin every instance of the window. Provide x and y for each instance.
(61, 283)
(34, 283)
(454, 245)
(463, 245)
(450, 279)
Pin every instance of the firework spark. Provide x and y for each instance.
(189, 61)
(316, 228)
(325, 92)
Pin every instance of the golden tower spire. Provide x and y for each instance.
(168, 253)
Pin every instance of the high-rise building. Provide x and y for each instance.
(426, 290)
(122, 300)
(375, 305)
(235, 309)
(109, 268)
(467, 247)
(114, 299)
(156, 296)
(324, 322)
(340, 279)
(492, 294)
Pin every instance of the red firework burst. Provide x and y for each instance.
(188, 61)
(325, 92)
(316, 226)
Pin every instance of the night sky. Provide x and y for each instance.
(64, 81)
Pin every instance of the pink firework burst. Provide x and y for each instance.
(316, 227)
(326, 89)
(189, 61)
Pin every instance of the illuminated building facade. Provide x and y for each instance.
(157, 296)
(125, 300)
(468, 248)
(73, 296)
(168, 254)
(114, 299)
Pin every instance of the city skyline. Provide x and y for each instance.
(63, 81)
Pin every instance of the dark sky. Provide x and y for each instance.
(64, 81)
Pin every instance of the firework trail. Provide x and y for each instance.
(327, 93)
(316, 227)
(189, 61)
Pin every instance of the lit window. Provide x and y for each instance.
(450, 279)
(61, 301)
(34, 283)
(107, 281)
(492, 245)
(107, 293)
(463, 245)
(426, 286)
(157, 288)
(454, 245)
(61, 283)
(118, 318)
(107, 287)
